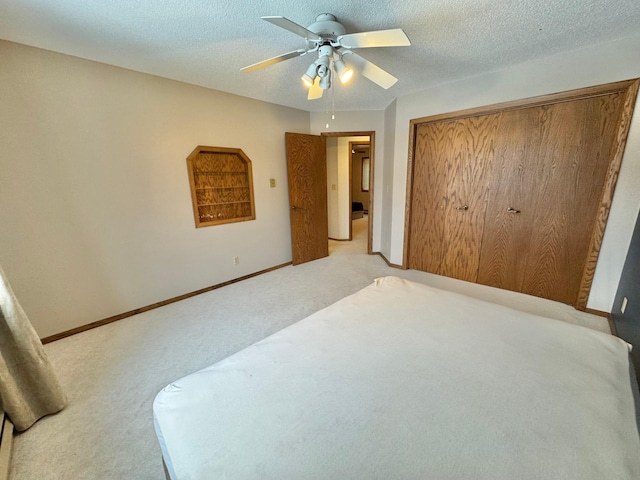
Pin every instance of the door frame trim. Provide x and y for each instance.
(372, 141)
(628, 88)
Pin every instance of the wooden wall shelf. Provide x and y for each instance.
(221, 186)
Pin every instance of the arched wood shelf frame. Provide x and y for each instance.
(221, 186)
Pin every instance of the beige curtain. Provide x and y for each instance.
(28, 387)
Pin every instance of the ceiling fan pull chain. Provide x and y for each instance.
(326, 111)
(333, 93)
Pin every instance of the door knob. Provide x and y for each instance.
(512, 210)
(293, 207)
(463, 207)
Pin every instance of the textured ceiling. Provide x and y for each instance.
(206, 42)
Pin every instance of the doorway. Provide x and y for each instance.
(308, 189)
(350, 160)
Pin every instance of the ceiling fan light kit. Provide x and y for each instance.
(309, 77)
(328, 37)
(344, 73)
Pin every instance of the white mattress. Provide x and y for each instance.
(404, 381)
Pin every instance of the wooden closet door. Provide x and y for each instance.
(507, 236)
(449, 195)
(550, 166)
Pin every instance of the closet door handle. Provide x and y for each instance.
(512, 210)
(463, 207)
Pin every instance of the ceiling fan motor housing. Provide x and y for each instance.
(327, 28)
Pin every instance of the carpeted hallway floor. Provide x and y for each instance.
(112, 373)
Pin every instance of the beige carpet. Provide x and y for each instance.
(112, 373)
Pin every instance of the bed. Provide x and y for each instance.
(404, 381)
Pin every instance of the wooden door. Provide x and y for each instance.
(449, 195)
(307, 175)
(548, 178)
(506, 243)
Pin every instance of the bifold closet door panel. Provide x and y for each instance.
(429, 200)
(510, 215)
(577, 142)
(449, 196)
(547, 182)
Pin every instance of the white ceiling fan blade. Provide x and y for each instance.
(380, 38)
(274, 60)
(293, 27)
(369, 70)
(315, 91)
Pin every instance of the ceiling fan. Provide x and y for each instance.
(335, 47)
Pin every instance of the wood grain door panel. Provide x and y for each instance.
(550, 165)
(430, 197)
(507, 234)
(449, 196)
(473, 147)
(577, 142)
(307, 176)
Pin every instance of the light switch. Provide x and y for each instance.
(272, 182)
(333, 186)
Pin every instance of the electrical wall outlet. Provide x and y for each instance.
(624, 305)
(236, 260)
(272, 182)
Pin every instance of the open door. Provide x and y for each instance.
(307, 174)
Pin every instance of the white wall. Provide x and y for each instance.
(360, 122)
(386, 186)
(333, 203)
(593, 66)
(95, 209)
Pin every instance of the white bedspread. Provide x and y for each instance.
(404, 381)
